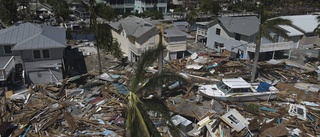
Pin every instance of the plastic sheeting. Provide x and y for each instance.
(263, 86)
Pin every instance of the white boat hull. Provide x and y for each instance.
(244, 97)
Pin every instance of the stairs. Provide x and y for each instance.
(18, 72)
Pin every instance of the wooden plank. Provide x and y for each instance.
(72, 124)
(9, 93)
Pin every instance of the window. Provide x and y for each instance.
(218, 31)
(7, 49)
(238, 36)
(45, 53)
(233, 119)
(36, 54)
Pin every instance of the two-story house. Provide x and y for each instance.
(135, 35)
(133, 6)
(38, 48)
(238, 35)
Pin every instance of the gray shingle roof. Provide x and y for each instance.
(247, 25)
(33, 36)
(175, 32)
(133, 26)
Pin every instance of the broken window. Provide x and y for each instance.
(233, 119)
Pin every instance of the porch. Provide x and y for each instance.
(6, 67)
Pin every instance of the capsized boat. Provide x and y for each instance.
(237, 89)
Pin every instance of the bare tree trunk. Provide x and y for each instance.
(256, 53)
(99, 60)
(160, 68)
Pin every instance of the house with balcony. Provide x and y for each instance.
(238, 35)
(135, 35)
(36, 48)
(137, 6)
(175, 41)
(305, 25)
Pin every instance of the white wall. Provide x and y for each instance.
(123, 41)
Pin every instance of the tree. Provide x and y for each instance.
(106, 41)
(210, 6)
(8, 11)
(138, 122)
(267, 25)
(192, 16)
(94, 28)
(104, 11)
(60, 9)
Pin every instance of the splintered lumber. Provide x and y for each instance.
(51, 121)
(71, 122)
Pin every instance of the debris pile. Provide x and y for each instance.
(80, 105)
(94, 105)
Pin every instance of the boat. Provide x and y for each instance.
(237, 89)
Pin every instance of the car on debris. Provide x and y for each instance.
(237, 89)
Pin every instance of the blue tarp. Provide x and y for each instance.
(122, 89)
(263, 86)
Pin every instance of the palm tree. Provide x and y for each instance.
(94, 28)
(192, 16)
(143, 83)
(266, 26)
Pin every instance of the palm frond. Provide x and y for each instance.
(165, 78)
(318, 18)
(278, 30)
(278, 21)
(147, 58)
(317, 30)
(149, 123)
(160, 108)
(265, 33)
(142, 120)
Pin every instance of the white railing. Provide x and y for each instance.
(6, 70)
(271, 46)
(135, 49)
(202, 32)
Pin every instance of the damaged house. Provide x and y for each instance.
(32, 53)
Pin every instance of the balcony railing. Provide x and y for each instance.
(7, 69)
(137, 50)
(271, 46)
(202, 32)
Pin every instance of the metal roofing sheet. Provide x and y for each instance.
(247, 25)
(33, 36)
(236, 83)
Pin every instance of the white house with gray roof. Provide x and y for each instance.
(38, 47)
(135, 35)
(238, 34)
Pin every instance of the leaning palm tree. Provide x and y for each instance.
(266, 26)
(138, 121)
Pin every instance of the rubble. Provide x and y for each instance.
(94, 104)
